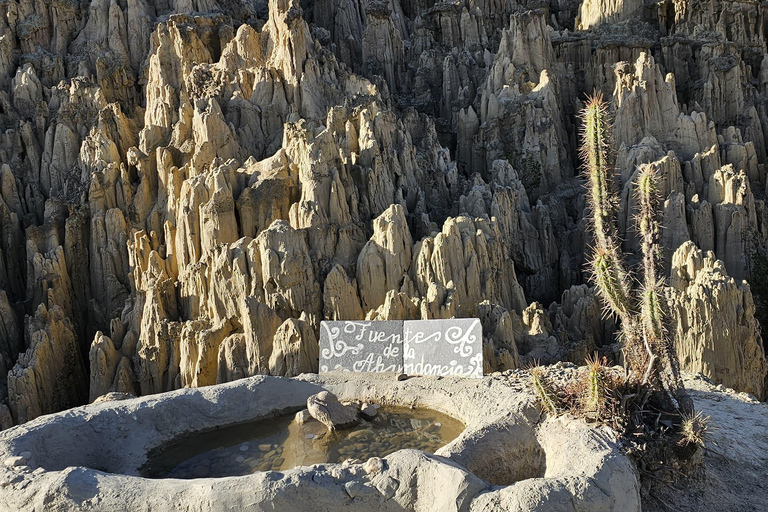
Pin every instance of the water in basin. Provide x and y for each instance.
(281, 443)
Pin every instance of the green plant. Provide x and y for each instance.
(648, 352)
(544, 391)
(529, 169)
(593, 397)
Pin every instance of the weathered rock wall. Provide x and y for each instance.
(188, 189)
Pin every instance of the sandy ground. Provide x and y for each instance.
(734, 473)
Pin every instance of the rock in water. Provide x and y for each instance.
(302, 417)
(327, 409)
(368, 411)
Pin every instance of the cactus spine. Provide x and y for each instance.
(545, 394)
(647, 350)
(593, 400)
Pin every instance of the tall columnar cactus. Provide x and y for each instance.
(662, 356)
(608, 269)
(595, 153)
(647, 349)
(651, 314)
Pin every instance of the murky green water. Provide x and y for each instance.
(281, 443)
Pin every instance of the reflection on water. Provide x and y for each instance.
(281, 443)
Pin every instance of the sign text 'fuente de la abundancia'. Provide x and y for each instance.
(415, 347)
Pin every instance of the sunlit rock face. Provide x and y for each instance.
(188, 188)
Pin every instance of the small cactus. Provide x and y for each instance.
(593, 399)
(547, 397)
(695, 429)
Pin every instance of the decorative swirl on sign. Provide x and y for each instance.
(455, 336)
(350, 327)
(475, 368)
(338, 347)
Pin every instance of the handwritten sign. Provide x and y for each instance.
(361, 346)
(443, 347)
(417, 347)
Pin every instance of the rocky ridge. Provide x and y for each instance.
(188, 188)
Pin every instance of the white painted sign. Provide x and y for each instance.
(415, 347)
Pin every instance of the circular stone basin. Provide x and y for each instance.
(282, 443)
(507, 457)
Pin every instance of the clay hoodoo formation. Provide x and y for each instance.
(188, 188)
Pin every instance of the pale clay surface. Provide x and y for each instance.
(733, 473)
(57, 462)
